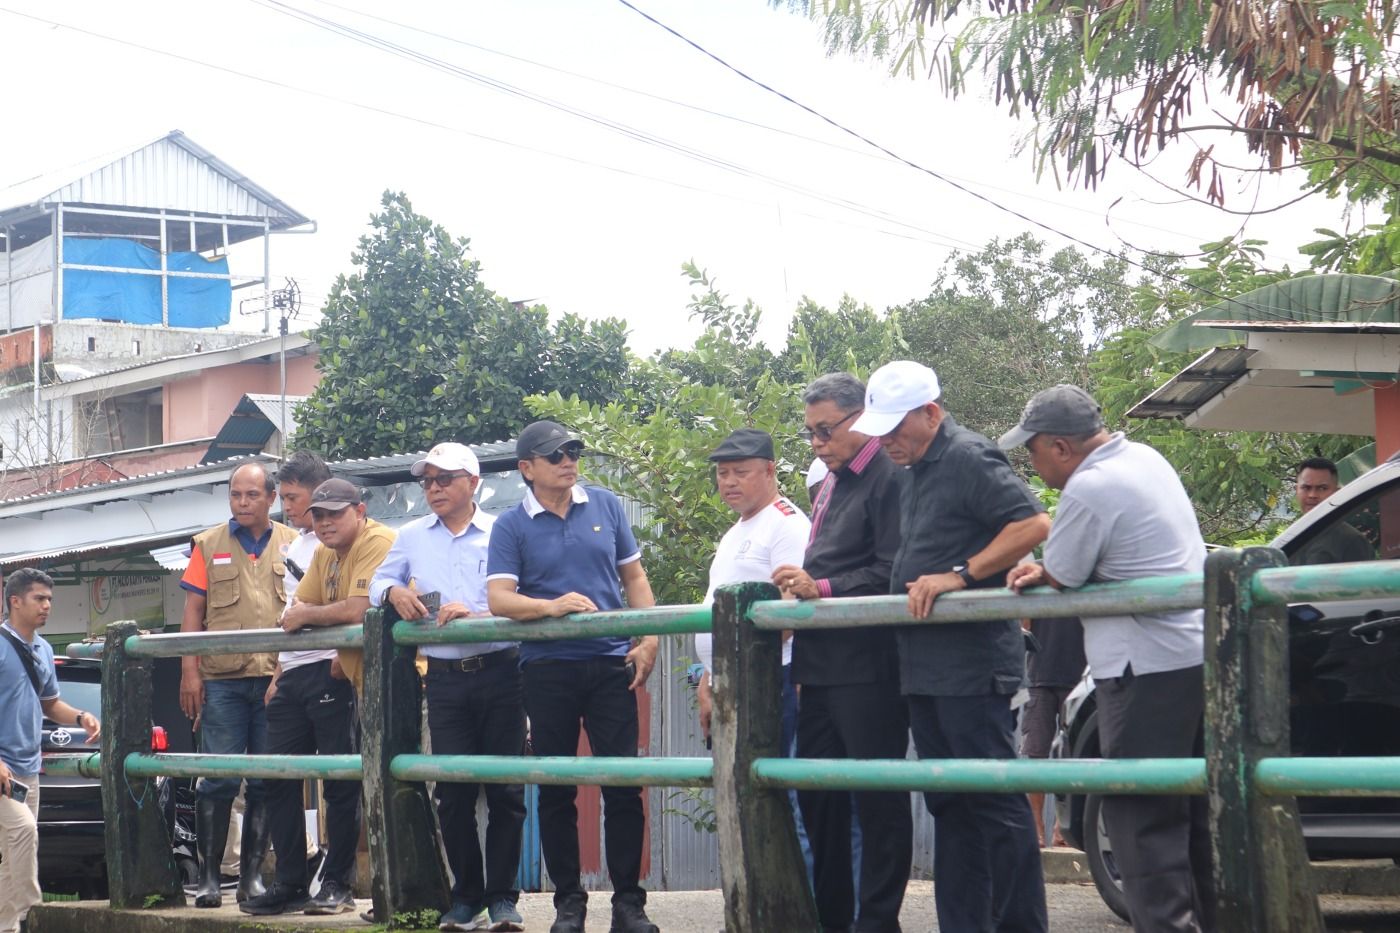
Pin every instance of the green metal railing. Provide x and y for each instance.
(1246, 771)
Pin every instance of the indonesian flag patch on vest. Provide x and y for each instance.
(222, 559)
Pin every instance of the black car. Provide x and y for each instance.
(72, 851)
(1344, 685)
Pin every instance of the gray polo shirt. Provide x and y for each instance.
(1124, 515)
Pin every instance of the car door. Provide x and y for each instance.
(1345, 654)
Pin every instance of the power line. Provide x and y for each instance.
(863, 151)
(1268, 312)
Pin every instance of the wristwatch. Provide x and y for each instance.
(79, 721)
(967, 578)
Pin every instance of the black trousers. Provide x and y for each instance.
(312, 713)
(558, 694)
(479, 713)
(1161, 844)
(856, 721)
(986, 857)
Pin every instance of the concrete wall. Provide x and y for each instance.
(199, 405)
(112, 344)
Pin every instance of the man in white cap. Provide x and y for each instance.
(1124, 515)
(966, 518)
(475, 704)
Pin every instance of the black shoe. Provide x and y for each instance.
(569, 914)
(333, 898)
(279, 899)
(630, 917)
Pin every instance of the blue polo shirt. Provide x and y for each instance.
(22, 724)
(547, 556)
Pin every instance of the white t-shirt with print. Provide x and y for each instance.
(750, 551)
(301, 551)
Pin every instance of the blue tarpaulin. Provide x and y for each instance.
(135, 299)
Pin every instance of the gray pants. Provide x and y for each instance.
(1161, 844)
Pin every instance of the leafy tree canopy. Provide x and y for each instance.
(416, 349)
(1121, 77)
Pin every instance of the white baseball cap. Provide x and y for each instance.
(894, 390)
(817, 472)
(449, 456)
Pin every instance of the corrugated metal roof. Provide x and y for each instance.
(1305, 327)
(169, 173)
(251, 425)
(1209, 375)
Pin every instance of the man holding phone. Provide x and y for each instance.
(437, 570)
(28, 693)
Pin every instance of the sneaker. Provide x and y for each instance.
(333, 898)
(505, 918)
(463, 917)
(569, 915)
(629, 917)
(278, 899)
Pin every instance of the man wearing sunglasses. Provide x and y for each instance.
(475, 705)
(851, 707)
(568, 548)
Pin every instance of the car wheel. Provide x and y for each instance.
(1099, 852)
(189, 871)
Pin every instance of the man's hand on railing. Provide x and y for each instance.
(407, 604)
(923, 591)
(569, 603)
(1024, 575)
(453, 611)
(643, 656)
(794, 581)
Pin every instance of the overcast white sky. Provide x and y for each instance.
(647, 154)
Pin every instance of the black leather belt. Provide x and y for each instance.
(477, 662)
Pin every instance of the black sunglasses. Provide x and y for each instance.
(442, 480)
(822, 432)
(573, 452)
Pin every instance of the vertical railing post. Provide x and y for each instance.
(1261, 866)
(761, 867)
(408, 875)
(140, 864)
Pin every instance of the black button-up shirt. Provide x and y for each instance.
(852, 549)
(954, 501)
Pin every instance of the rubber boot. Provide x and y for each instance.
(250, 861)
(211, 830)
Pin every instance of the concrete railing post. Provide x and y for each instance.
(140, 864)
(408, 875)
(1261, 866)
(761, 867)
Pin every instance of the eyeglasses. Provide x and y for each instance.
(822, 432)
(556, 458)
(442, 480)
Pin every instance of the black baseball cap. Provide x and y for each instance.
(745, 444)
(542, 439)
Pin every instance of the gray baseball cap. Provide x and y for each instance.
(1064, 410)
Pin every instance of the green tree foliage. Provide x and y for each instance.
(416, 349)
(1120, 77)
(1002, 323)
(655, 438)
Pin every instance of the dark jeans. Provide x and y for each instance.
(857, 721)
(312, 713)
(557, 695)
(986, 857)
(233, 722)
(479, 713)
(1161, 844)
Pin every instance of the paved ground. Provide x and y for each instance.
(1074, 908)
